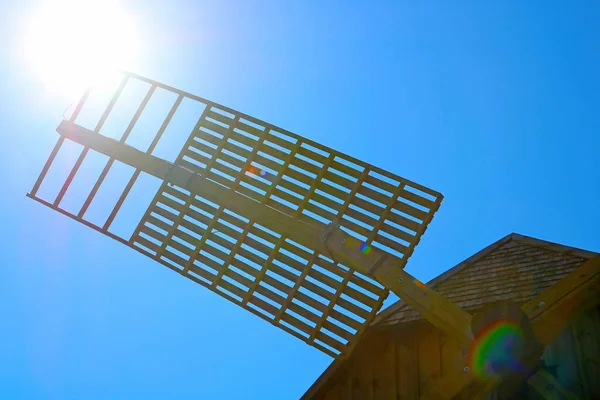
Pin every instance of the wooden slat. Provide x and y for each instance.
(300, 177)
(146, 243)
(281, 142)
(326, 201)
(346, 169)
(368, 286)
(344, 319)
(249, 129)
(192, 226)
(354, 227)
(400, 234)
(178, 233)
(333, 191)
(219, 117)
(185, 163)
(232, 288)
(257, 246)
(237, 277)
(329, 341)
(286, 196)
(267, 237)
(172, 204)
(206, 261)
(391, 243)
(292, 187)
(289, 246)
(226, 169)
(267, 163)
(312, 155)
(297, 323)
(273, 152)
(196, 148)
(202, 272)
(177, 193)
(410, 210)
(180, 247)
(365, 205)
(403, 221)
(159, 223)
(236, 162)
(174, 257)
(415, 198)
(337, 179)
(380, 184)
(324, 279)
(234, 148)
(213, 127)
(374, 195)
(313, 208)
(361, 217)
(264, 306)
(243, 138)
(153, 234)
(306, 166)
(256, 183)
(341, 332)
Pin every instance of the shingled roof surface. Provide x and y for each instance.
(516, 268)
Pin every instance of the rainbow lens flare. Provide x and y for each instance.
(496, 347)
(257, 171)
(365, 248)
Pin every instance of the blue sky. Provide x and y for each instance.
(494, 104)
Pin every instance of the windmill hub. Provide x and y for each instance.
(504, 343)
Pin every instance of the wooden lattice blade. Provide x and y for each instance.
(242, 210)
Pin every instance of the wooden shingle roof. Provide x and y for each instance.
(515, 268)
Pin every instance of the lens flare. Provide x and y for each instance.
(365, 248)
(257, 171)
(496, 347)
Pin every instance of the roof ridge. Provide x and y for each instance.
(553, 246)
(516, 237)
(445, 275)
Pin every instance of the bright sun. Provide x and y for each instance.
(68, 44)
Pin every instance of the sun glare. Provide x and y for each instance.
(70, 44)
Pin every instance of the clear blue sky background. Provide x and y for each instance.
(495, 104)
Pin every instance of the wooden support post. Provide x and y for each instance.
(548, 388)
(550, 312)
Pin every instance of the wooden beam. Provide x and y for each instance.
(453, 321)
(309, 235)
(548, 388)
(445, 315)
(550, 312)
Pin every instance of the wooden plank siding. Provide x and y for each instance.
(402, 364)
(402, 355)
